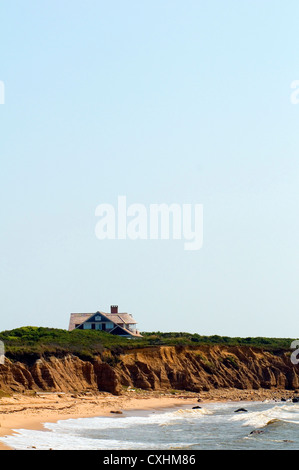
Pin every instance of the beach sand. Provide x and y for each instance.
(30, 411)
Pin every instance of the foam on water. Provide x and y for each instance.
(71, 434)
(125, 422)
(213, 426)
(275, 414)
(43, 440)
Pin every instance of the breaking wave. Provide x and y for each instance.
(213, 426)
(272, 416)
(94, 433)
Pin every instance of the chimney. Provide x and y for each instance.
(114, 309)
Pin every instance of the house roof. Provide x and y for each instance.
(77, 319)
(121, 318)
(129, 332)
(118, 318)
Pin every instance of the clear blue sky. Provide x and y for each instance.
(161, 101)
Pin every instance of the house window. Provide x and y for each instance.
(87, 326)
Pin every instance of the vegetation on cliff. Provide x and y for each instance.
(38, 341)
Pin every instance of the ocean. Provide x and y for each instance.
(264, 426)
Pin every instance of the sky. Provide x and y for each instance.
(161, 102)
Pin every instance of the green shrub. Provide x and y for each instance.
(31, 342)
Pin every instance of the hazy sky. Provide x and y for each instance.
(160, 101)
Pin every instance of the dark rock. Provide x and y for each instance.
(116, 412)
(196, 408)
(257, 431)
(241, 410)
(295, 400)
(283, 399)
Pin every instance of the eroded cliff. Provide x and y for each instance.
(155, 368)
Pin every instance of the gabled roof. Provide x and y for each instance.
(78, 319)
(126, 331)
(121, 318)
(118, 318)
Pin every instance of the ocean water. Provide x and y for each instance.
(267, 425)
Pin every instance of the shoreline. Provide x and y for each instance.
(27, 411)
(31, 412)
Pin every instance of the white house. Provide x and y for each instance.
(121, 324)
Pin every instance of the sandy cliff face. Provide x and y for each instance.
(157, 368)
(206, 367)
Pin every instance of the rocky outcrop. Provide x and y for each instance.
(155, 368)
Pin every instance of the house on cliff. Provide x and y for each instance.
(121, 324)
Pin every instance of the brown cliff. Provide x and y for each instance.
(156, 368)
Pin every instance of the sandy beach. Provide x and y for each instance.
(31, 411)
